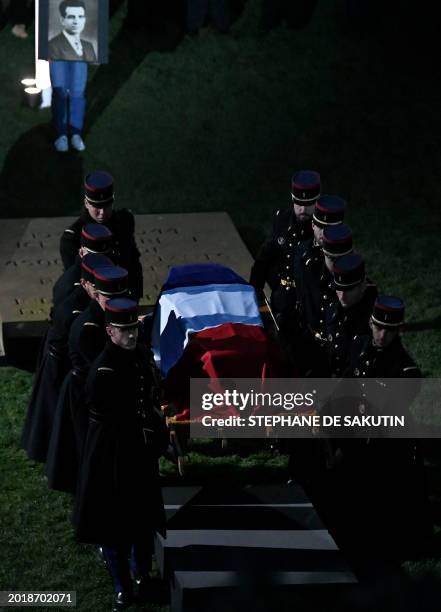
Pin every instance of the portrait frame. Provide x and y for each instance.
(54, 46)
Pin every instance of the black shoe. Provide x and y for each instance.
(143, 589)
(122, 600)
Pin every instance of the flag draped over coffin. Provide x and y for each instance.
(196, 298)
(230, 351)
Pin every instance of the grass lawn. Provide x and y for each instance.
(221, 123)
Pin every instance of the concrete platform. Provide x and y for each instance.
(240, 546)
(30, 261)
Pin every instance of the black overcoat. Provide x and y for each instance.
(66, 283)
(86, 340)
(379, 490)
(49, 377)
(119, 496)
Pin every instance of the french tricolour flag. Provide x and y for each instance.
(195, 298)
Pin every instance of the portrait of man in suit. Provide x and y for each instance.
(68, 44)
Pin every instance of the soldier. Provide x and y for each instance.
(307, 457)
(87, 339)
(54, 367)
(318, 287)
(98, 208)
(277, 262)
(350, 314)
(61, 466)
(381, 352)
(315, 291)
(94, 239)
(119, 502)
(386, 506)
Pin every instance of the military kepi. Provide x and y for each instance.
(97, 238)
(388, 311)
(337, 240)
(91, 262)
(349, 271)
(329, 210)
(98, 189)
(121, 312)
(111, 280)
(305, 187)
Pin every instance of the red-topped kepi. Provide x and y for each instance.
(337, 240)
(96, 238)
(329, 210)
(91, 262)
(305, 187)
(121, 312)
(111, 280)
(99, 189)
(349, 271)
(388, 311)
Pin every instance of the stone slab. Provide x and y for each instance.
(312, 539)
(239, 550)
(238, 517)
(30, 261)
(231, 507)
(197, 590)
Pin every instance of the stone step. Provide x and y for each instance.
(219, 591)
(239, 545)
(240, 550)
(275, 507)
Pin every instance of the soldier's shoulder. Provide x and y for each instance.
(105, 370)
(360, 341)
(282, 214)
(68, 308)
(281, 220)
(74, 229)
(124, 219)
(371, 287)
(370, 295)
(102, 368)
(87, 319)
(408, 366)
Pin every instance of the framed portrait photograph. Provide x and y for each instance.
(73, 30)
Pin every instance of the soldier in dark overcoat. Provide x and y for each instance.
(315, 290)
(86, 340)
(61, 464)
(342, 319)
(349, 315)
(278, 260)
(99, 197)
(306, 456)
(275, 260)
(119, 503)
(379, 497)
(52, 371)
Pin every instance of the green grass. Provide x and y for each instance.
(221, 123)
